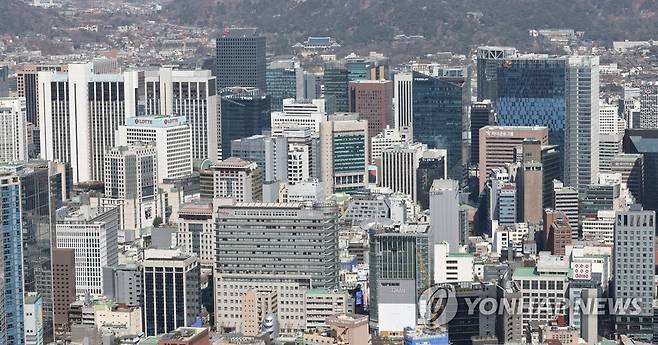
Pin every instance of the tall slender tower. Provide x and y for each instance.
(581, 133)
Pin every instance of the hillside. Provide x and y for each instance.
(18, 18)
(361, 24)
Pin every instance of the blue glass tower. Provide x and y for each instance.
(10, 209)
(281, 78)
(438, 113)
(531, 92)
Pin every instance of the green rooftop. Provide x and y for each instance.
(458, 255)
(524, 272)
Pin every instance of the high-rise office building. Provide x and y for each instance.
(63, 287)
(123, 284)
(566, 201)
(336, 82)
(482, 115)
(399, 165)
(532, 91)
(284, 77)
(386, 139)
(41, 196)
(240, 54)
(581, 134)
(299, 114)
(233, 178)
(373, 67)
(488, 61)
(631, 168)
(269, 153)
(648, 105)
(308, 234)
(634, 274)
(400, 271)
(172, 290)
(78, 117)
(373, 100)
(12, 263)
(507, 205)
(557, 231)
(174, 92)
(432, 166)
(441, 100)
(610, 145)
(403, 102)
(530, 182)
(609, 120)
(92, 233)
(245, 111)
(500, 144)
(561, 93)
(551, 161)
(344, 153)
(444, 213)
(170, 135)
(645, 142)
(27, 80)
(196, 231)
(131, 177)
(13, 136)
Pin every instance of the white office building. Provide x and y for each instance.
(80, 121)
(648, 105)
(296, 114)
(602, 228)
(173, 92)
(388, 138)
(13, 130)
(131, 177)
(398, 168)
(403, 102)
(172, 138)
(92, 234)
(451, 267)
(566, 200)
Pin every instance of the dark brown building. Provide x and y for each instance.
(63, 285)
(373, 100)
(557, 231)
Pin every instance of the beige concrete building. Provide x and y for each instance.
(530, 182)
(233, 178)
(565, 335)
(321, 303)
(500, 144)
(119, 317)
(256, 305)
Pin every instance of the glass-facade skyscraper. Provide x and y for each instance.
(282, 77)
(532, 92)
(488, 61)
(10, 210)
(439, 104)
(245, 112)
(335, 87)
(645, 142)
(560, 93)
(41, 195)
